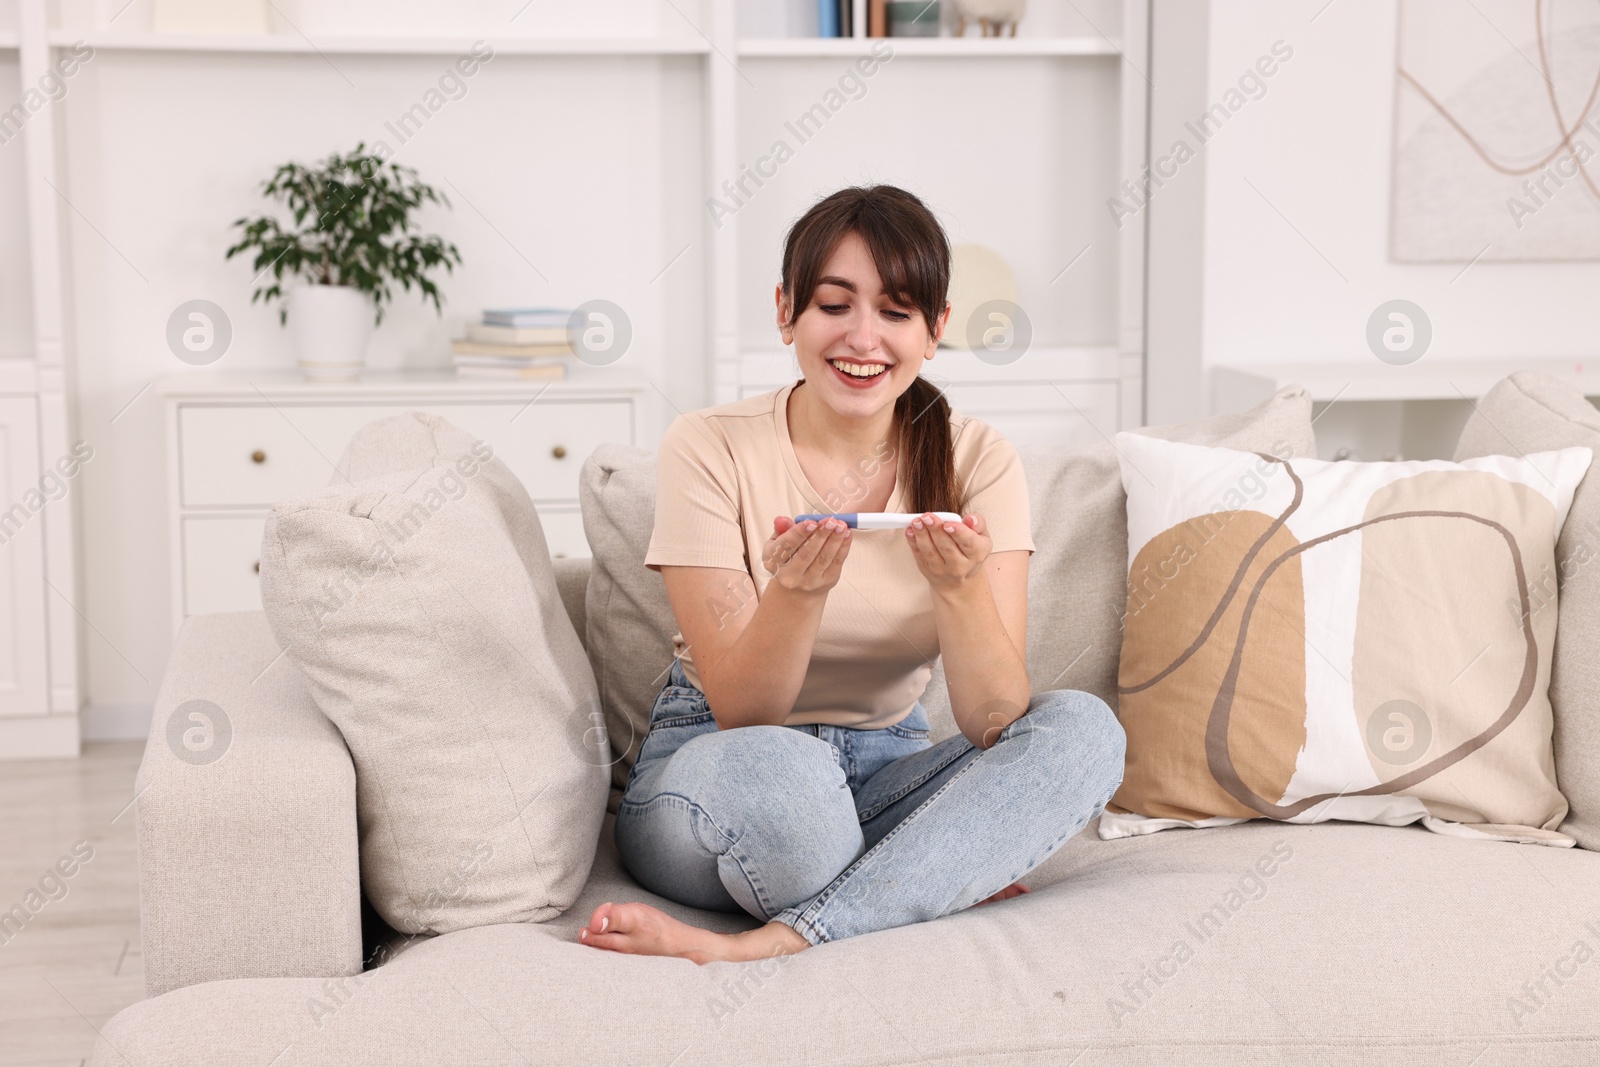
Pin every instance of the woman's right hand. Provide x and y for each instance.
(808, 557)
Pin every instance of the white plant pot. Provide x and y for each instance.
(331, 325)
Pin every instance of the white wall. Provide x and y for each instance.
(1317, 146)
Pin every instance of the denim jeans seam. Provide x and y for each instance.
(795, 920)
(732, 851)
(908, 788)
(823, 898)
(699, 718)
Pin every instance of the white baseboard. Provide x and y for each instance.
(117, 722)
(39, 737)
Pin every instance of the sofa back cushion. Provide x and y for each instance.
(420, 603)
(628, 616)
(1526, 413)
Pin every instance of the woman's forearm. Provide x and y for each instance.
(757, 680)
(985, 672)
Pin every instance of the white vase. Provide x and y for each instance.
(331, 325)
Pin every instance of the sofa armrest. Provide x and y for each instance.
(249, 864)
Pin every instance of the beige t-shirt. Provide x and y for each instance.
(725, 472)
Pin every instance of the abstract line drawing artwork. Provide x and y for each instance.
(1496, 131)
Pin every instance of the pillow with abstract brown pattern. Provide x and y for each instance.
(1309, 640)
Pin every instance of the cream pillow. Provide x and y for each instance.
(1309, 640)
(421, 606)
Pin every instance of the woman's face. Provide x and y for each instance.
(852, 322)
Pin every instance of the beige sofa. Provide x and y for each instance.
(1261, 944)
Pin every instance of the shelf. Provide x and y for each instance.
(777, 47)
(1365, 378)
(378, 46)
(8, 39)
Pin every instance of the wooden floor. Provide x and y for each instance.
(77, 962)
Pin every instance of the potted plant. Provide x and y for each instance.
(350, 239)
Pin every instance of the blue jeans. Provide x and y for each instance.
(836, 831)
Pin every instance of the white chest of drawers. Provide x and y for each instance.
(238, 442)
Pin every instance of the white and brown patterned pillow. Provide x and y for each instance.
(1309, 640)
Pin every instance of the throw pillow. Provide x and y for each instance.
(420, 604)
(1525, 413)
(1310, 640)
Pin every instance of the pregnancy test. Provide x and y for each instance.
(877, 520)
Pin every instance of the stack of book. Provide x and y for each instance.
(515, 344)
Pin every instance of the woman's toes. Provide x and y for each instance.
(1015, 889)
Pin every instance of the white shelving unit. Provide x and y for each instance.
(1016, 142)
(716, 39)
(41, 641)
(1059, 81)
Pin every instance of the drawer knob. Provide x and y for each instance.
(256, 566)
(258, 456)
(559, 452)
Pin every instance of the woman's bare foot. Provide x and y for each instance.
(1015, 889)
(641, 930)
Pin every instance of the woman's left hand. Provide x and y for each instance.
(948, 553)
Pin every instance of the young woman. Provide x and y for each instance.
(787, 770)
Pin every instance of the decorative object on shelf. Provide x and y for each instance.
(992, 16)
(977, 275)
(516, 344)
(330, 327)
(913, 18)
(351, 238)
(209, 16)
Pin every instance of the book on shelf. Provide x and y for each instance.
(487, 334)
(478, 348)
(527, 318)
(555, 371)
(877, 18)
(828, 18)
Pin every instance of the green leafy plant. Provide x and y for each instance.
(351, 226)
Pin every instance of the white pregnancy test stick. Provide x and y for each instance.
(877, 520)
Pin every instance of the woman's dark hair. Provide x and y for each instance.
(912, 255)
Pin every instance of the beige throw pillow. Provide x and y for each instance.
(420, 603)
(1310, 640)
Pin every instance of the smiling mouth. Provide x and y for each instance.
(859, 372)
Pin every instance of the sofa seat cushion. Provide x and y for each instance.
(1255, 944)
